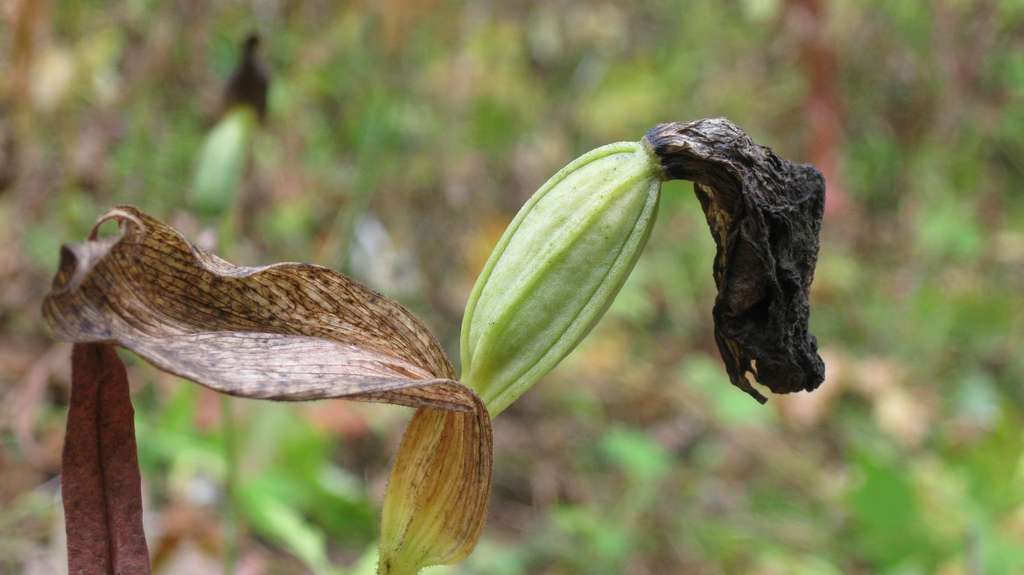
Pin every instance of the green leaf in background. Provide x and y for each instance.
(169, 440)
(638, 454)
(888, 526)
(705, 374)
(272, 515)
(607, 543)
(996, 552)
(995, 468)
(946, 229)
(286, 447)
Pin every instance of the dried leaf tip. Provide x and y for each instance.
(765, 215)
(250, 81)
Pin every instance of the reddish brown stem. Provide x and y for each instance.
(100, 481)
(823, 102)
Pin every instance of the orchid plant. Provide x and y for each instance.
(300, 332)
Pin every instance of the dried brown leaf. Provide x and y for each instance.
(289, 332)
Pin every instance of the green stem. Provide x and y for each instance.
(232, 527)
(396, 569)
(231, 523)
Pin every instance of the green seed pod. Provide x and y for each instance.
(222, 163)
(556, 269)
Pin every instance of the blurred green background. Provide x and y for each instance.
(402, 136)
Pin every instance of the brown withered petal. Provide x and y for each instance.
(440, 526)
(288, 331)
(765, 215)
(100, 482)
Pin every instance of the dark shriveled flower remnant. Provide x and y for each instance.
(765, 215)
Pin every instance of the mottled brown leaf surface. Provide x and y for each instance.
(765, 216)
(100, 482)
(288, 331)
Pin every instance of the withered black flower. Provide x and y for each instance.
(765, 215)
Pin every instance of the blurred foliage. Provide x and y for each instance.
(402, 136)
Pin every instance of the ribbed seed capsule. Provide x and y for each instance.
(556, 269)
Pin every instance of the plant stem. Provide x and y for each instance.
(232, 523)
(231, 527)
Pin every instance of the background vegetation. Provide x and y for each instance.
(403, 135)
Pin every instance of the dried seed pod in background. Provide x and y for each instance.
(222, 158)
